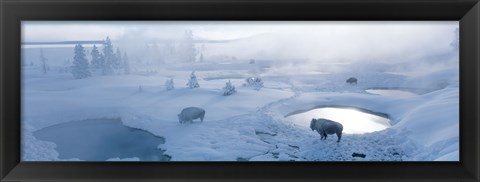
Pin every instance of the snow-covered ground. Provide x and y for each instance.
(250, 124)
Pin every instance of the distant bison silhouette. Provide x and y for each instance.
(352, 81)
(190, 113)
(326, 127)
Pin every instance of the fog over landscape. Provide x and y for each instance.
(384, 42)
(392, 85)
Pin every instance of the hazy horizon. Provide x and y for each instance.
(391, 42)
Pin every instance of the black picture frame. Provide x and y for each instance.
(12, 12)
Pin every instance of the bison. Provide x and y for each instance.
(352, 81)
(326, 127)
(191, 113)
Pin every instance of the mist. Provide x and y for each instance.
(291, 46)
(241, 90)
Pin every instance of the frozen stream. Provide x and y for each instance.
(102, 139)
(353, 121)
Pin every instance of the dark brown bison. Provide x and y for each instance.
(190, 113)
(352, 81)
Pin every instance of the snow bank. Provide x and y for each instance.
(37, 150)
(430, 121)
(250, 124)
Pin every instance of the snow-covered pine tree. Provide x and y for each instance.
(66, 66)
(254, 82)
(229, 89)
(201, 57)
(201, 53)
(258, 84)
(108, 56)
(193, 82)
(118, 62)
(97, 60)
(126, 64)
(187, 49)
(43, 62)
(80, 68)
(169, 85)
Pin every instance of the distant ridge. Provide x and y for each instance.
(65, 42)
(215, 41)
(102, 41)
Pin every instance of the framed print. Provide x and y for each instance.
(159, 90)
(183, 91)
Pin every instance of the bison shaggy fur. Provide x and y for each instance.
(190, 113)
(326, 127)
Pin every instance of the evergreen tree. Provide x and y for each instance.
(66, 66)
(80, 68)
(43, 62)
(192, 82)
(126, 64)
(229, 89)
(201, 53)
(254, 82)
(117, 62)
(97, 59)
(188, 51)
(169, 85)
(108, 57)
(201, 57)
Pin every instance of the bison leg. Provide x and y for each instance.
(339, 135)
(324, 135)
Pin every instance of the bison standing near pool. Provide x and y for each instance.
(326, 127)
(191, 113)
(352, 81)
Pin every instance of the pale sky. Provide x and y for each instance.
(98, 30)
(314, 40)
(33, 31)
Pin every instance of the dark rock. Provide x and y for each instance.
(241, 159)
(358, 155)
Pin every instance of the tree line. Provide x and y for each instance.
(106, 62)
